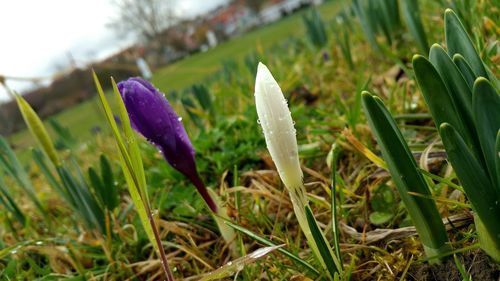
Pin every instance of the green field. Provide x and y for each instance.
(81, 118)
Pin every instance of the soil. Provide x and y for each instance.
(477, 264)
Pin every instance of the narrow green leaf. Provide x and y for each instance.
(9, 203)
(411, 13)
(465, 69)
(37, 128)
(335, 226)
(474, 179)
(323, 247)
(459, 92)
(133, 182)
(40, 160)
(437, 96)
(80, 200)
(461, 269)
(13, 166)
(486, 104)
(453, 79)
(383, 18)
(131, 144)
(96, 183)
(497, 157)
(111, 191)
(367, 27)
(406, 176)
(272, 244)
(459, 42)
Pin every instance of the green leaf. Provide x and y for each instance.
(40, 160)
(359, 8)
(82, 200)
(438, 98)
(335, 216)
(131, 145)
(459, 92)
(453, 79)
(474, 179)
(37, 128)
(458, 42)
(486, 104)
(323, 246)
(96, 183)
(106, 193)
(497, 158)
(406, 176)
(379, 218)
(10, 162)
(8, 202)
(465, 69)
(272, 244)
(111, 195)
(411, 13)
(133, 183)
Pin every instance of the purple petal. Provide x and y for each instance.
(152, 116)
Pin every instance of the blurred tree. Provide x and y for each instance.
(255, 5)
(143, 18)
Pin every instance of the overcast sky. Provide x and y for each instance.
(39, 36)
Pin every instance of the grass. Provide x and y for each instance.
(376, 239)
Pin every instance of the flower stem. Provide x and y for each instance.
(163, 257)
(204, 193)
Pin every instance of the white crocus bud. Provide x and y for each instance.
(277, 124)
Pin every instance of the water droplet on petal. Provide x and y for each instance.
(180, 119)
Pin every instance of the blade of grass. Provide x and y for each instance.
(272, 244)
(335, 226)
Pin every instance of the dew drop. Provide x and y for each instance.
(180, 119)
(39, 243)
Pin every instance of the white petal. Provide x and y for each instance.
(277, 124)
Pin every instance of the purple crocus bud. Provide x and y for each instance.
(151, 115)
(326, 56)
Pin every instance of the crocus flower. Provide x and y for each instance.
(152, 116)
(277, 124)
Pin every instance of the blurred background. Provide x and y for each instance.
(49, 47)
